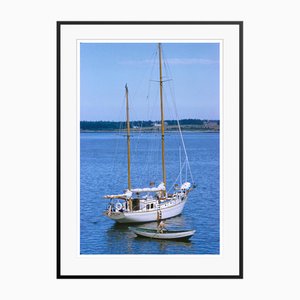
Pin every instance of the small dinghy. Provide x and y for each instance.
(163, 234)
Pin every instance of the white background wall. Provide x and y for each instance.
(28, 143)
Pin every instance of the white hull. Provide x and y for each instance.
(148, 216)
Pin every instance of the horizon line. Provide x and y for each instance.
(204, 119)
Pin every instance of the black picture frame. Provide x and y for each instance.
(59, 24)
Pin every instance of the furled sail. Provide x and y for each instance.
(160, 188)
(186, 186)
(126, 195)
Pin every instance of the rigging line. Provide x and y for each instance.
(172, 117)
(147, 99)
(118, 133)
(154, 154)
(143, 78)
(186, 173)
(138, 136)
(141, 123)
(157, 143)
(172, 91)
(179, 127)
(150, 84)
(150, 157)
(180, 173)
(183, 144)
(153, 56)
(166, 80)
(183, 165)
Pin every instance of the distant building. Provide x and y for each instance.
(211, 125)
(158, 124)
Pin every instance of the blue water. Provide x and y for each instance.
(103, 170)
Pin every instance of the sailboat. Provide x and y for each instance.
(146, 204)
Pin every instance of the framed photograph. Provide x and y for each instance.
(150, 149)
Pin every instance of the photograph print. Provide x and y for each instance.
(149, 148)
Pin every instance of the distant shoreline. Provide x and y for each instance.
(148, 131)
(188, 125)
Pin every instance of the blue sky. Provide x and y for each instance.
(191, 71)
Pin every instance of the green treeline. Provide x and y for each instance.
(111, 125)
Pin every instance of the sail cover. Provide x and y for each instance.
(186, 186)
(126, 195)
(161, 187)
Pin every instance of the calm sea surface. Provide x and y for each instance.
(103, 170)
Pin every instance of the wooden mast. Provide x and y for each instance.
(128, 146)
(128, 138)
(162, 117)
